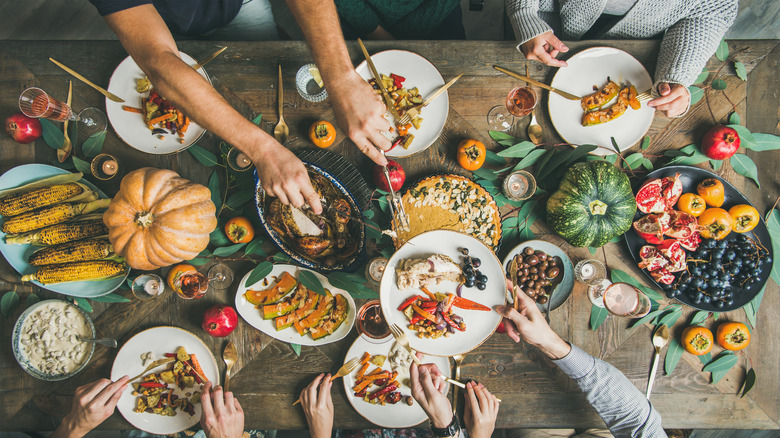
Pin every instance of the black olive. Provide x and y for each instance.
(528, 251)
(532, 260)
(553, 272)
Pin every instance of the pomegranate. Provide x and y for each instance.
(682, 225)
(672, 250)
(652, 227)
(220, 321)
(23, 129)
(662, 276)
(648, 251)
(720, 142)
(649, 198)
(692, 242)
(671, 189)
(397, 176)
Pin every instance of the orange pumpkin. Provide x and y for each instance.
(159, 218)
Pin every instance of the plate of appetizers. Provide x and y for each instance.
(166, 399)
(379, 388)
(603, 77)
(281, 306)
(440, 287)
(543, 271)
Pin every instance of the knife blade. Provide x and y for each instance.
(102, 90)
(208, 59)
(513, 274)
(537, 83)
(385, 95)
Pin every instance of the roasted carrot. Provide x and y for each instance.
(362, 370)
(132, 109)
(366, 357)
(196, 365)
(360, 387)
(427, 292)
(179, 118)
(371, 377)
(183, 128)
(162, 118)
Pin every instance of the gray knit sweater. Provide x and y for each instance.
(693, 28)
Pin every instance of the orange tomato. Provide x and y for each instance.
(711, 189)
(715, 223)
(745, 217)
(692, 204)
(471, 154)
(322, 133)
(239, 230)
(697, 340)
(176, 272)
(733, 336)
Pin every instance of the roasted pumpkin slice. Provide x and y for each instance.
(287, 305)
(608, 114)
(284, 285)
(333, 321)
(324, 305)
(633, 102)
(303, 311)
(601, 97)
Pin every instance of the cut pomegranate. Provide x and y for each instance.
(649, 197)
(682, 225)
(652, 227)
(671, 189)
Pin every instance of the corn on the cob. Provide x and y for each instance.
(78, 271)
(56, 214)
(61, 233)
(79, 251)
(24, 202)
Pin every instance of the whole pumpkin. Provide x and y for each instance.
(593, 204)
(159, 218)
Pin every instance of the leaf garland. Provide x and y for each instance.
(52, 135)
(311, 282)
(258, 273)
(205, 157)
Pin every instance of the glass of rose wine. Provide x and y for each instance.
(193, 285)
(36, 103)
(622, 299)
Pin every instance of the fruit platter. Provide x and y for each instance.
(708, 257)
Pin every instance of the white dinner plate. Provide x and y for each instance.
(253, 315)
(130, 127)
(590, 68)
(160, 340)
(17, 255)
(389, 416)
(480, 325)
(420, 73)
(564, 288)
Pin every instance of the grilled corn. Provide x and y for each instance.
(56, 214)
(61, 233)
(79, 251)
(78, 271)
(24, 202)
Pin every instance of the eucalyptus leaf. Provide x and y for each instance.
(734, 118)
(751, 308)
(218, 237)
(724, 361)
(52, 135)
(228, 250)
(647, 164)
(716, 164)
(696, 158)
(705, 358)
(517, 151)
(258, 273)
(81, 165)
(258, 119)
(198, 261)
(696, 94)
(597, 316)
(670, 318)
(673, 354)
(8, 303)
(635, 160)
(750, 380)
(612, 158)
(645, 143)
(296, 348)
(111, 298)
(702, 76)
(310, 280)
(238, 199)
(677, 153)
(486, 173)
(719, 84)
(740, 69)
(31, 299)
(743, 165)
(746, 138)
(94, 144)
(282, 257)
(579, 152)
(255, 247)
(718, 375)
(773, 225)
(498, 135)
(213, 186)
(205, 157)
(557, 158)
(83, 303)
(615, 145)
(529, 159)
(646, 318)
(592, 250)
(493, 158)
(722, 52)
(699, 317)
(764, 142)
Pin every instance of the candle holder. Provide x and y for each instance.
(148, 286)
(307, 86)
(519, 185)
(104, 167)
(238, 160)
(374, 270)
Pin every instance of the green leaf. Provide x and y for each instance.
(705, 358)
(746, 137)
(773, 225)
(228, 250)
(296, 348)
(238, 199)
(734, 118)
(581, 151)
(8, 303)
(592, 250)
(81, 165)
(677, 153)
(699, 317)
(750, 380)
(744, 166)
(83, 303)
(670, 318)
(619, 276)
(673, 354)
(493, 158)
(646, 318)
(255, 247)
(696, 94)
(635, 160)
(205, 157)
(52, 135)
(31, 299)
(498, 135)
(751, 308)
(213, 186)
(718, 375)
(597, 316)
(198, 261)
(719, 84)
(282, 257)
(696, 158)
(257, 119)
(258, 273)
(486, 173)
(615, 145)
(723, 362)
(529, 159)
(722, 52)
(763, 142)
(73, 134)
(218, 237)
(740, 69)
(111, 298)
(94, 144)
(310, 280)
(557, 158)
(702, 76)
(647, 164)
(518, 151)
(716, 164)
(645, 143)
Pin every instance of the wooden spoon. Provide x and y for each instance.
(281, 130)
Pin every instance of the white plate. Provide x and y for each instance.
(160, 340)
(420, 73)
(586, 69)
(253, 316)
(17, 255)
(390, 416)
(130, 127)
(480, 325)
(563, 290)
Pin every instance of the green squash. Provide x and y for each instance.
(593, 204)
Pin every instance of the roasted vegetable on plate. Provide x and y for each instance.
(162, 393)
(433, 317)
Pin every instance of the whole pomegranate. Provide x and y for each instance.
(220, 321)
(720, 142)
(397, 176)
(23, 129)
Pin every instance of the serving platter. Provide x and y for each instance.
(563, 289)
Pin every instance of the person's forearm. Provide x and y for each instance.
(67, 429)
(523, 14)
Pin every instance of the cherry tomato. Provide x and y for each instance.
(697, 340)
(745, 217)
(711, 189)
(239, 230)
(471, 154)
(715, 223)
(733, 335)
(322, 133)
(692, 204)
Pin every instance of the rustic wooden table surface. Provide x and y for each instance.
(269, 376)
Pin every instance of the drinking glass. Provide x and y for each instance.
(220, 276)
(191, 285)
(147, 286)
(520, 102)
(591, 272)
(36, 103)
(307, 85)
(371, 322)
(622, 299)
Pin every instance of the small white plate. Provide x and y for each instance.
(592, 67)
(130, 127)
(160, 340)
(390, 416)
(253, 316)
(419, 73)
(564, 288)
(480, 325)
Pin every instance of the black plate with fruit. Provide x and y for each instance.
(746, 289)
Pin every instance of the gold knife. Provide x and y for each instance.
(388, 100)
(102, 90)
(537, 83)
(208, 59)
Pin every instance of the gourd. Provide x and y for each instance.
(594, 203)
(159, 218)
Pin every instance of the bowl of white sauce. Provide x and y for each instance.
(46, 340)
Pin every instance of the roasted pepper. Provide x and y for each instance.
(424, 313)
(152, 385)
(468, 304)
(408, 302)
(451, 322)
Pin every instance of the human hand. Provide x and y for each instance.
(545, 48)
(428, 389)
(481, 411)
(284, 176)
(92, 404)
(318, 406)
(360, 111)
(529, 323)
(673, 101)
(222, 414)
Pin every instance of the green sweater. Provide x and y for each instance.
(402, 18)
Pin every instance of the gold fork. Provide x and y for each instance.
(343, 371)
(153, 365)
(412, 112)
(645, 96)
(403, 341)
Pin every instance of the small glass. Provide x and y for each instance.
(104, 167)
(591, 272)
(371, 322)
(500, 119)
(191, 285)
(596, 292)
(623, 299)
(307, 86)
(521, 101)
(238, 160)
(148, 286)
(519, 185)
(220, 276)
(374, 270)
(36, 103)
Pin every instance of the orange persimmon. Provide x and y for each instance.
(697, 340)
(745, 217)
(471, 154)
(733, 335)
(692, 204)
(715, 223)
(176, 272)
(239, 230)
(713, 192)
(322, 133)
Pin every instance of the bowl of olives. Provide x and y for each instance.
(543, 271)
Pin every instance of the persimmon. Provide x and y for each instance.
(692, 204)
(697, 340)
(745, 217)
(733, 335)
(176, 272)
(239, 230)
(471, 154)
(715, 223)
(713, 192)
(322, 133)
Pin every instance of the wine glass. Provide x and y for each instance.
(147, 286)
(36, 103)
(220, 275)
(620, 299)
(500, 119)
(191, 285)
(371, 322)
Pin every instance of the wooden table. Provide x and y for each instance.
(270, 375)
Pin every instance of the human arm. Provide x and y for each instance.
(318, 406)
(535, 38)
(222, 416)
(481, 411)
(92, 404)
(428, 389)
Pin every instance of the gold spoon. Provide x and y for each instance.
(230, 356)
(534, 130)
(281, 130)
(153, 365)
(67, 145)
(660, 338)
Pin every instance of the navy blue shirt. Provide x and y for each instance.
(183, 17)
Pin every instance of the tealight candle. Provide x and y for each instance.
(109, 167)
(375, 269)
(519, 185)
(243, 161)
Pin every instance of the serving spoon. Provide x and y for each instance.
(660, 338)
(281, 130)
(230, 356)
(108, 342)
(535, 130)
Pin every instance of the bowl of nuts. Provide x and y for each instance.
(543, 272)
